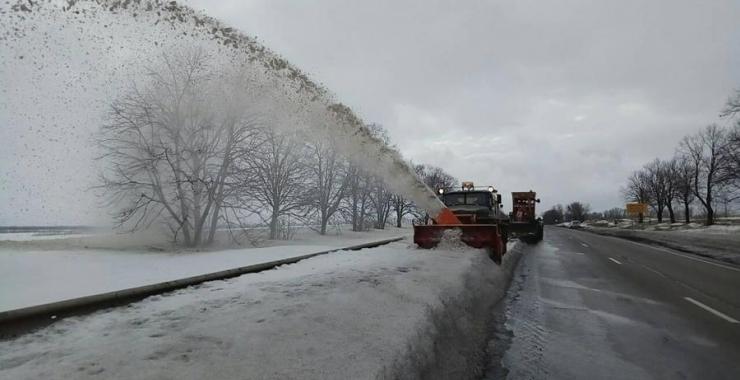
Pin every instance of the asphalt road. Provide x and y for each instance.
(585, 306)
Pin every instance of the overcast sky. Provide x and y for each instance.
(562, 97)
(566, 98)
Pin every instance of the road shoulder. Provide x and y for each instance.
(720, 248)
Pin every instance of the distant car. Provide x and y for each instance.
(575, 224)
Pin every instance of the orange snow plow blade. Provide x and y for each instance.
(474, 235)
(486, 236)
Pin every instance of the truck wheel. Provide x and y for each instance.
(494, 255)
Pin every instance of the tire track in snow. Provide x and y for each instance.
(523, 357)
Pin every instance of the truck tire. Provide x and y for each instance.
(494, 255)
(540, 232)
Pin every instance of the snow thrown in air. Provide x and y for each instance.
(71, 59)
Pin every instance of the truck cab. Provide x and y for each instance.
(474, 206)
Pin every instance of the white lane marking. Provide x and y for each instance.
(713, 311)
(654, 271)
(579, 253)
(584, 244)
(616, 261)
(666, 250)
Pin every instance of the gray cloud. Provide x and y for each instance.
(563, 97)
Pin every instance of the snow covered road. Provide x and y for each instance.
(393, 311)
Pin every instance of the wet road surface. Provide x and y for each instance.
(585, 306)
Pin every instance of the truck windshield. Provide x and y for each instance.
(462, 198)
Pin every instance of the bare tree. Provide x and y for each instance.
(436, 178)
(670, 172)
(381, 199)
(637, 189)
(684, 182)
(730, 174)
(657, 177)
(725, 197)
(553, 215)
(357, 202)
(328, 181)
(595, 215)
(732, 106)
(402, 207)
(615, 213)
(703, 151)
(577, 211)
(279, 178)
(169, 147)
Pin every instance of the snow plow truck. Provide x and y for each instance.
(475, 213)
(523, 223)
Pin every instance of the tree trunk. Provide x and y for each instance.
(354, 211)
(710, 215)
(687, 212)
(363, 213)
(399, 219)
(671, 214)
(214, 225)
(274, 225)
(659, 214)
(324, 223)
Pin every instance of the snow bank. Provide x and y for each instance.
(716, 242)
(717, 229)
(388, 312)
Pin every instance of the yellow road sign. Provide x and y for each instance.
(635, 209)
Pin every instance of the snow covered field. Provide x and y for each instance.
(29, 236)
(34, 275)
(391, 312)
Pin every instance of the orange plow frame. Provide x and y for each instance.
(485, 236)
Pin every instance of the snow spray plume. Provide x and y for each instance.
(375, 156)
(136, 30)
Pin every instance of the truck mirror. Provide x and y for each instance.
(498, 198)
(538, 200)
(500, 205)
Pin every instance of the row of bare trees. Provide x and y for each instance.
(571, 212)
(191, 148)
(581, 212)
(705, 169)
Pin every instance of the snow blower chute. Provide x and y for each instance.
(475, 213)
